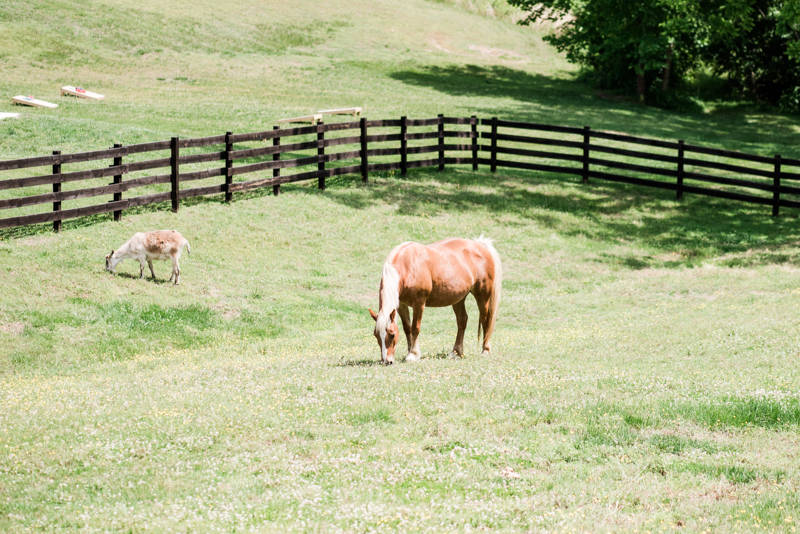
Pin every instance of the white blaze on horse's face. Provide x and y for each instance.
(386, 332)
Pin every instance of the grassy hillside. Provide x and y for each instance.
(646, 368)
(204, 68)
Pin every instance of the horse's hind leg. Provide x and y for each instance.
(484, 318)
(461, 320)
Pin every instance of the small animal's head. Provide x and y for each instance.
(386, 333)
(109, 262)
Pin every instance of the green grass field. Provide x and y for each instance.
(645, 374)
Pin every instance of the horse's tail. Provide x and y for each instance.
(497, 286)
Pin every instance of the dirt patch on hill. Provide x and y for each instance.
(500, 53)
(12, 328)
(442, 43)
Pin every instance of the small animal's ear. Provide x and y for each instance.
(391, 316)
(374, 315)
(112, 252)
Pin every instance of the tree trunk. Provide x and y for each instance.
(667, 69)
(641, 86)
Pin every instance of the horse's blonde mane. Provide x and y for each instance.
(389, 296)
(488, 241)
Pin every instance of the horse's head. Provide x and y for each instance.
(386, 333)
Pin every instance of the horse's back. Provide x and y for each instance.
(445, 271)
(473, 254)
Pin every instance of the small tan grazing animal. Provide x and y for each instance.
(149, 246)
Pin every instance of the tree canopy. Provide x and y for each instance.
(651, 46)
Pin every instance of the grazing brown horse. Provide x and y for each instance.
(437, 275)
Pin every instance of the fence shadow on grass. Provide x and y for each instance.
(683, 233)
(18, 232)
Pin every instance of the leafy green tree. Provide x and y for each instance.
(761, 63)
(652, 45)
(623, 44)
(789, 25)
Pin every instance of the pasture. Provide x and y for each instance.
(644, 376)
(645, 369)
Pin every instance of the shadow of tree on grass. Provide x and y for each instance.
(691, 230)
(520, 95)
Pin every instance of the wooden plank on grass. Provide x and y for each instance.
(31, 101)
(344, 111)
(81, 93)
(313, 119)
(8, 116)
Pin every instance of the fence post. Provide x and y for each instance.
(441, 142)
(57, 189)
(586, 139)
(493, 167)
(321, 154)
(228, 166)
(776, 191)
(175, 181)
(403, 146)
(364, 160)
(473, 122)
(276, 141)
(679, 191)
(117, 180)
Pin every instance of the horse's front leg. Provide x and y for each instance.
(461, 320)
(416, 326)
(405, 318)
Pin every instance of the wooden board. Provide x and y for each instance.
(8, 116)
(30, 101)
(73, 91)
(344, 111)
(313, 119)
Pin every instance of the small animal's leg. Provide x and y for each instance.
(416, 326)
(460, 309)
(141, 267)
(150, 264)
(176, 270)
(405, 318)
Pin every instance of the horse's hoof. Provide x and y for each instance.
(411, 357)
(455, 354)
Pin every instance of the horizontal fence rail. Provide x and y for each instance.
(323, 150)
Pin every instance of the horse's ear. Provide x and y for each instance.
(374, 315)
(391, 316)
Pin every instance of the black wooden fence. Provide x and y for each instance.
(582, 152)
